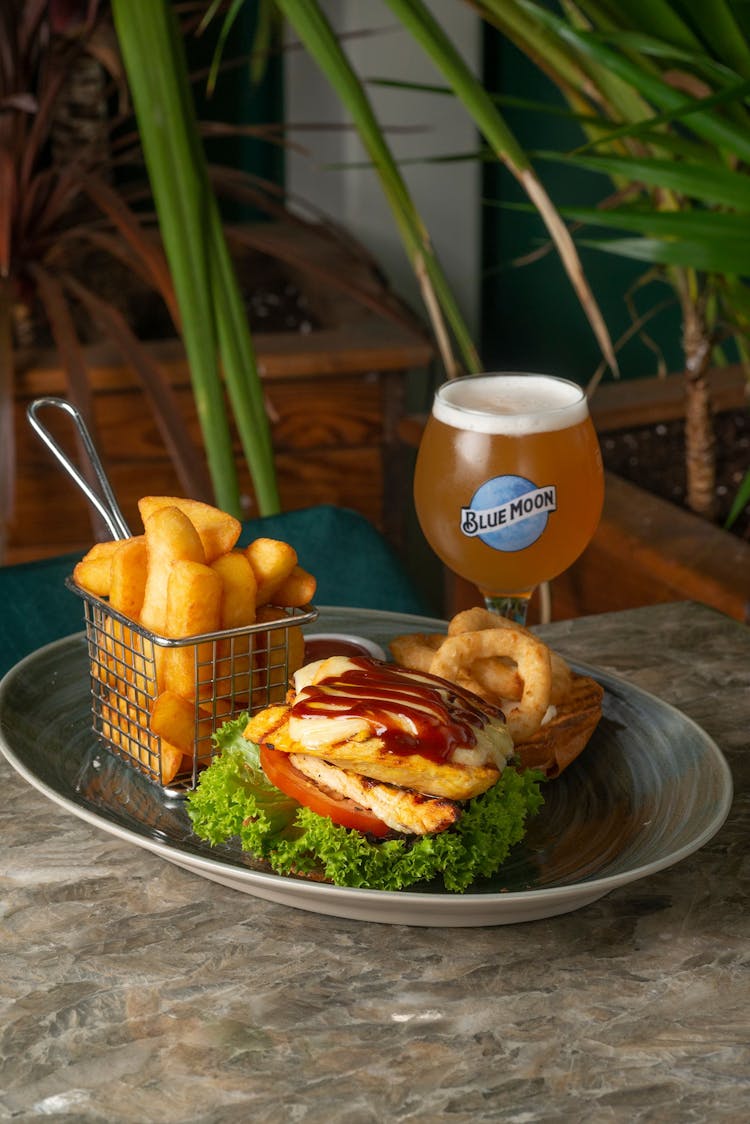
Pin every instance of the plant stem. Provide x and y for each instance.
(700, 441)
(318, 37)
(154, 57)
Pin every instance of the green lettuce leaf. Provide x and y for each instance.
(234, 799)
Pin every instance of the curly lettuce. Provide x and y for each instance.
(234, 798)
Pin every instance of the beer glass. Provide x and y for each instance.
(509, 483)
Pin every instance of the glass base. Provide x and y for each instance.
(513, 606)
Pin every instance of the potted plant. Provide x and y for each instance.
(661, 100)
(662, 103)
(205, 397)
(55, 211)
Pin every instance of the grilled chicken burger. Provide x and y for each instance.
(394, 777)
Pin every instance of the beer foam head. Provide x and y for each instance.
(512, 404)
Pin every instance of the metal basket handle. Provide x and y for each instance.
(106, 504)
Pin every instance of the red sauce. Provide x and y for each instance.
(321, 647)
(442, 716)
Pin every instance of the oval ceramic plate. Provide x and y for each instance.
(650, 789)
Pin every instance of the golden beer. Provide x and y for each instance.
(508, 483)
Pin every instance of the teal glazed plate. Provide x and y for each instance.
(650, 789)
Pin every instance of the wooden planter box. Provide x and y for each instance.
(335, 397)
(646, 550)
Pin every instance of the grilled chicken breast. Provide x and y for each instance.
(403, 810)
(401, 728)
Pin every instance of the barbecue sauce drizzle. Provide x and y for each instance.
(443, 715)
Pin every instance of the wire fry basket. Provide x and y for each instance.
(223, 673)
(234, 670)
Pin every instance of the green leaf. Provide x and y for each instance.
(234, 799)
(313, 29)
(737, 92)
(153, 55)
(718, 26)
(704, 182)
(658, 18)
(741, 500)
(650, 85)
(692, 225)
(416, 17)
(716, 257)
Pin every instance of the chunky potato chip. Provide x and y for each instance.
(128, 576)
(239, 589)
(94, 572)
(218, 531)
(272, 562)
(124, 725)
(296, 590)
(174, 719)
(193, 607)
(170, 537)
(238, 610)
(184, 577)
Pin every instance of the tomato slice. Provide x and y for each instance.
(282, 773)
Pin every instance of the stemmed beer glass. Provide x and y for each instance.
(509, 483)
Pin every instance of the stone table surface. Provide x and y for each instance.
(133, 990)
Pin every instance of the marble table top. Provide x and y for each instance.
(133, 990)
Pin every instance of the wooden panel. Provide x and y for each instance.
(635, 402)
(646, 551)
(329, 413)
(334, 395)
(329, 436)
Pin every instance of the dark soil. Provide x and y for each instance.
(274, 300)
(653, 457)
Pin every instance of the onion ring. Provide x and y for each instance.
(499, 677)
(478, 619)
(532, 657)
(415, 651)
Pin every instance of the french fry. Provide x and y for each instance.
(183, 577)
(121, 660)
(170, 537)
(296, 590)
(173, 718)
(218, 531)
(104, 549)
(271, 675)
(272, 562)
(128, 576)
(239, 589)
(129, 572)
(126, 725)
(94, 572)
(214, 709)
(193, 606)
(170, 760)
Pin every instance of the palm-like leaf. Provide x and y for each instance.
(315, 32)
(673, 80)
(709, 177)
(49, 213)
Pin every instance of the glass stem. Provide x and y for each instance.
(513, 606)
